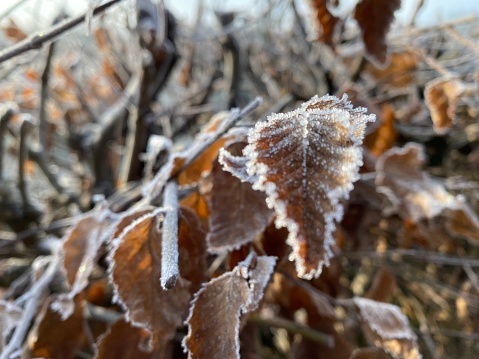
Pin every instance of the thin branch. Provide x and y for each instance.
(36, 41)
(8, 111)
(294, 328)
(42, 116)
(26, 127)
(169, 238)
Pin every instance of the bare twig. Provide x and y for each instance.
(169, 238)
(26, 127)
(42, 116)
(8, 111)
(294, 328)
(37, 40)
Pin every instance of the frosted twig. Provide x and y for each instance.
(31, 307)
(36, 41)
(169, 237)
(232, 120)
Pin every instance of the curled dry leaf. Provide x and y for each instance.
(80, 248)
(135, 270)
(326, 20)
(375, 18)
(441, 97)
(412, 193)
(306, 161)
(386, 327)
(10, 317)
(383, 286)
(214, 319)
(399, 73)
(239, 219)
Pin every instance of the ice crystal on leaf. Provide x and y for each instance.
(306, 161)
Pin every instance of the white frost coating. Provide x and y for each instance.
(236, 165)
(169, 239)
(325, 127)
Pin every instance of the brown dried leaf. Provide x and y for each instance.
(383, 286)
(326, 20)
(239, 219)
(124, 341)
(441, 97)
(53, 337)
(369, 353)
(463, 222)
(386, 327)
(135, 269)
(306, 161)
(385, 135)
(192, 249)
(214, 319)
(10, 317)
(80, 249)
(375, 18)
(412, 192)
(399, 73)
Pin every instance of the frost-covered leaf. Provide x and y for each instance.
(441, 97)
(236, 165)
(135, 270)
(326, 20)
(238, 213)
(375, 18)
(306, 162)
(214, 319)
(386, 327)
(124, 341)
(53, 337)
(10, 317)
(412, 193)
(80, 247)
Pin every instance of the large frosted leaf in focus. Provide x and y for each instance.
(306, 161)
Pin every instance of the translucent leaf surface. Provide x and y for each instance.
(240, 218)
(412, 193)
(80, 249)
(135, 269)
(214, 318)
(306, 161)
(386, 327)
(375, 18)
(441, 97)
